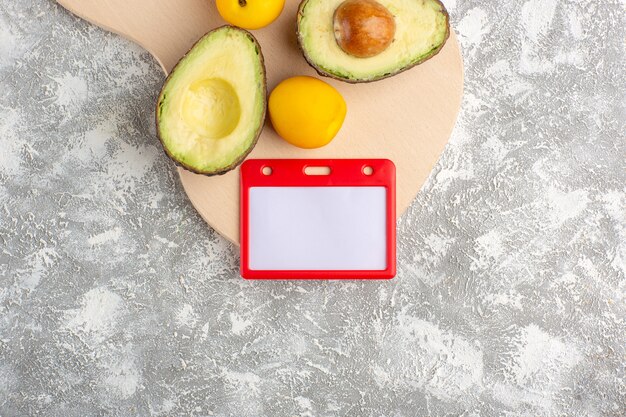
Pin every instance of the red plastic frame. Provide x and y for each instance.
(344, 172)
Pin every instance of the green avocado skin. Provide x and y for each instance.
(254, 133)
(337, 74)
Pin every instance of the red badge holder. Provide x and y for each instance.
(318, 219)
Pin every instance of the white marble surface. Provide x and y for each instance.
(117, 299)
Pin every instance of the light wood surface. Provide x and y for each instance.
(407, 118)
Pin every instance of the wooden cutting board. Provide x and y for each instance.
(407, 118)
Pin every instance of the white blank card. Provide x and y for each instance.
(317, 228)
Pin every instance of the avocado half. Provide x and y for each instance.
(422, 28)
(211, 109)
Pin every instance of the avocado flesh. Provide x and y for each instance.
(422, 29)
(212, 106)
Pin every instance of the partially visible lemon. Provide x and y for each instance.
(306, 112)
(250, 14)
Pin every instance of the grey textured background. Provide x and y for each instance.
(116, 298)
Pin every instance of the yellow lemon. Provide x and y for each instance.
(250, 14)
(306, 112)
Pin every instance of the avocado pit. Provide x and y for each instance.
(363, 28)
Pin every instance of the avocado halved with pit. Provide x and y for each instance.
(211, 109)
(418, 29)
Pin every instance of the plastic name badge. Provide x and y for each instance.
(318, 218)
